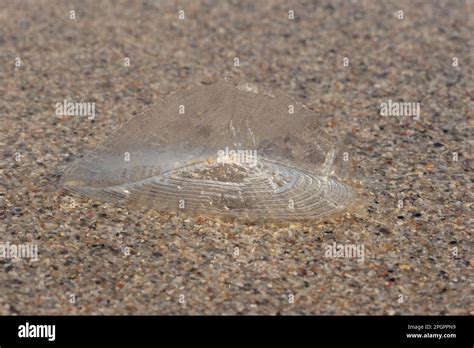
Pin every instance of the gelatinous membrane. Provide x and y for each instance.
(224, 149)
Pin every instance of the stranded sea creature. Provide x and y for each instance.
(233, 149)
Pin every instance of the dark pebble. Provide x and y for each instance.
(16, 211)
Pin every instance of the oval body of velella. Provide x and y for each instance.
(224, 149)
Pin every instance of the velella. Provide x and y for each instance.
(227, 149)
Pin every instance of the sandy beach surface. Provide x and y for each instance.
(96, 258)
